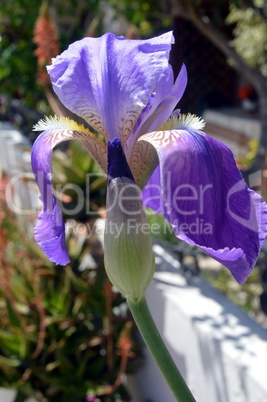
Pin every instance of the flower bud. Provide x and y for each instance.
(129, 258)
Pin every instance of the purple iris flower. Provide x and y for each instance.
(125, 89)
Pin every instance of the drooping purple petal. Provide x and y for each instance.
(109, 80)
(49, 234)
(50, 229)
(201, 193)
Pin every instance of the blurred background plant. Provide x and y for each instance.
(64, 332)
(79, 182)
(59, 23)
(236, 28)
(250, 38)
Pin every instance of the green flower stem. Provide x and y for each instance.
(159, 351)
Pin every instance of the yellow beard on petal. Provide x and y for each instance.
(188, 121)
(59, 129)
(61, 122)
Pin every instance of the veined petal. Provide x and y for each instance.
(109, 80)
(200, 191)
(50, 229)
(143, 157)
(64, 129)
(143, 162)
(168, 94)
(165, 99)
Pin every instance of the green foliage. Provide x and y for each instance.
(79, 181)
(60, 338)
(73, 20)
(146, 16)
(17, 63)
(250, 39)
(56, 326)
(160, 228)
(245, 296)
(248, 158)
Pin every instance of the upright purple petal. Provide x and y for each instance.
(109, 80)
(200, 191)
(167, 95)
(156, 113)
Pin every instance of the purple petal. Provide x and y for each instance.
(50, 234)
(109, 80)
(117, 162)
(168, 94)
(143, 159)
(50, 229)
(167, 97)
(200, 191)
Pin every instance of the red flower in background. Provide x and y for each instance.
(246, 92)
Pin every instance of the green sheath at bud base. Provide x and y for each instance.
(129, 259)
